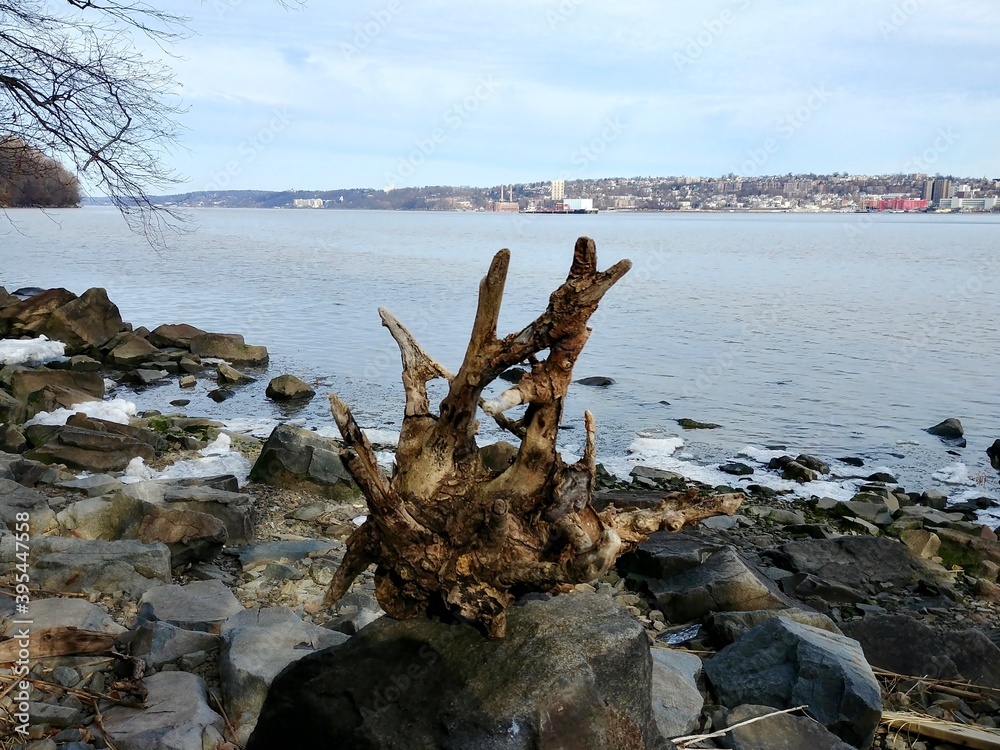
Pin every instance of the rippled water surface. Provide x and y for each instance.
(834, 334)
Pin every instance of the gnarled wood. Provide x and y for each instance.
(449, 536)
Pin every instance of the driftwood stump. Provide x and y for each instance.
(452, 538)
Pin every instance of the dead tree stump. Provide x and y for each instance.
(452, 538)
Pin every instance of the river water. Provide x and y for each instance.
(833, 334)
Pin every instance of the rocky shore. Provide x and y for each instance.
(162, 608)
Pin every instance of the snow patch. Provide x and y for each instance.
(119, 411)
(218, 457)
(30, 351)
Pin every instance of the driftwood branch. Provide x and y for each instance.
(453, 538)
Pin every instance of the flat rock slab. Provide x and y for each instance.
(677, 702)
(784, 732)
(907, 646)
(93, 485)
(258, 644)
(258, 555)
(75, 613)
(80, 565)
(203, 606)
(572, 672)
(852, 561)
(784, 664)
(159, 643)
(177, 716)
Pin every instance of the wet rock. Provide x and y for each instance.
(230, 347)
(677, 702)
(782, 732)
(391, 685)
(202, 605)
(257, 645)
(177, 335)
(852, 461)
(288, 388)
(907, 646)
(188, 381)
(994, 453)
(736, 468)
(302, 460)
(727, 627)
(784, 664)
(219, 395)
(59, 612)
(596, 381)
(228, 375)
(723, 583)
(513, 375)
(796, 472)
(949, 429)
(77, 565)
(177, 716)
(260, 554)
(813, 463)
(693, 424)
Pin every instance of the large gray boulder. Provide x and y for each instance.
(176, 716)
(782, 732)
(80, 565)
(853, 561)
(725, 582)
(16, 499)
(572, 672)
(677, 702)
(784, 664)
(907, 646)
(300, 459)
(257, 645)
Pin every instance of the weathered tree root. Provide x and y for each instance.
(452, 538)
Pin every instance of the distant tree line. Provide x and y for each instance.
(29, 178)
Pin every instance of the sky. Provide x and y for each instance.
(416, 92)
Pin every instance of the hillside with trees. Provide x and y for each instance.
(29, 178)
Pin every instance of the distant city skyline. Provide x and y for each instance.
(427, 93)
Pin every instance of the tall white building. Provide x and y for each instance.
(558, 190)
